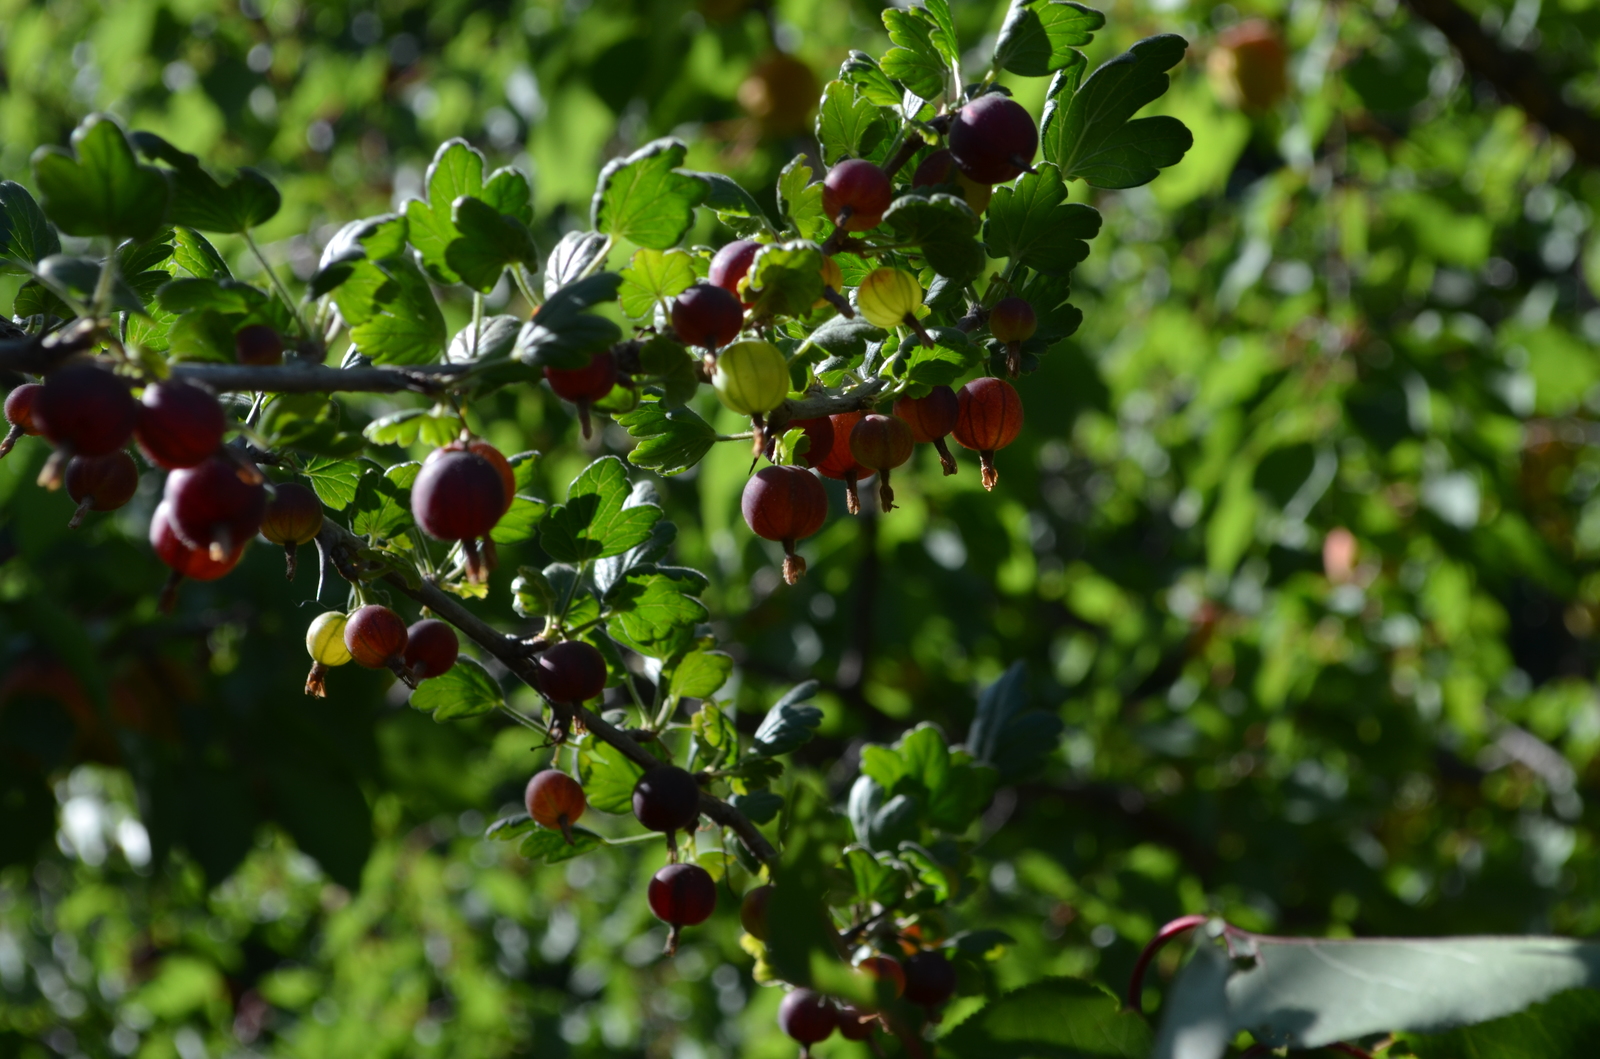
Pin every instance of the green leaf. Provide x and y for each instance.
(403, 474)
(1033, 223)
(99, 187)
(800, 201)
(918, 61)
(801, 938)
(647, 553)
(699, 674)
(381, 508)
(25, 234)
(1007, 735)
(644, 199)
(655, 613)
(849, 126)
(670, 442)
(371, 239)
(1564, 1027)
(334, 481)
(944, 228)
(874, 880)
(564, 334)
(790, 723)
(509, 192)
(594, 523)
(490, 243)
(523, 467)
(521, 522)
(762, 807)
(1040, 37)
(785, 280)
(466, 690)
(532, 594)
(571, 257)
(714, 737)
(194, 253)
(863, 72)
(651, 278)
(456, 170)
(607, 776)
(1088, 133)
(552, 847)
(393, 316)
(199, 201)
(734, 206)
(225, 296)
(953, 355)
(1057, 1018)
(79, 276)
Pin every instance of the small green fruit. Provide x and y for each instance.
(325, 643)
(751, 377)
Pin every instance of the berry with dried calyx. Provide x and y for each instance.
(293, 518)
(100, 483)
(753, 911)
(855, 195)
(586, 385)
(930, 979)
(1248, 68)
(19, 413)
(667, 799)
(555, 800)
(459, 496)
(708, 316)
(431, 649)
(939, 169)
(731, 264)
(218, 504)
(890, 298)
(882, 443)
(682, 895)
(376, 639)
(258, 345)
(989, 418)
(179, 424)
(808, 1018)
(82, 410)
(785, 504)
(184, 560)
(325, 644)
(993, 139)
(840, 463)
(1013, 321)
(752, 378)
(931, 418)
(819, 432)
(572, 672)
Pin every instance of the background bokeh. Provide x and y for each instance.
(1300, 541)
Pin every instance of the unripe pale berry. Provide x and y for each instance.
(882, 443)
(890, 298)
(293, 517)
(19, 413)
(682, 895)
(931, 418)
(666, 798)
(376, 639)
(325, 645)
(100, 483)
(431, 649)
(708, 316)
(751, 377)
(572, 672)
(785, 504)
(855, 195)
(555, 800)
(731, 264)
(993, 139)
(990, 418)
(586, 385)
(179, 424)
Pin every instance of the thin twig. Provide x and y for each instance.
(319, 378)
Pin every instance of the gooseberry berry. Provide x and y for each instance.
(459, 496)
(258, 344)
(752, 378)
(730, 265)
(885, 970)
(1012, 321)
(501, 465)
(855, 195)
(586, 385)
(682, 895)
(185, 561)
(555, 800)
(708, 316)
(83, 410)
(930, 979)
(840, 463)
(819, 434)
(882, 443)
(856, 1024)
(217, 504)
(753, 911)
(939, 169)
(179, 424)
(431, 649)
(785, 504)
(889, 298)
(376, 639)
(1248, 68)
(780, 93)
(293, 518)
(19, 413)
(832, 284)
(930, 419)
(572, 672)
(808, 1018)
(666, 798)
(100, 483)
(325, 644)
(993, 139)
(989, 418)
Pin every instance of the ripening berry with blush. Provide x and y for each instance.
(459, 496)
(882, 443)
(731, 264)
(555, 800)
(195, 564)
(993, 139)
(930, 979)
(855, 195)
(100, 483)
(752, 379)
(218, 504)
(931, 418)
(808, 1018)
(431, 649)
(258, 345)
(376, 638)
(325, 645)
(19, 413)
(707, 316)
(753, 911)
(682, 895)
(939, 169)
(1013, 321)
(82, 410)
(889, 298)
(840, 463)
(572, 672)
(785, 504)
(667, 799)
(586, 385)
(832, 284)
(989, 419)
(293, 517)
(501, 465)
(180, 424)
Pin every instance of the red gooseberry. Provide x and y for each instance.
(808, 1018)
(840, 463)
(83, 410)
(293, 518)
(179, 424)
(819, 432)
(882, 443)
(376, 639)
(667, 799)
(459, 496)
(682, 895)
(572, 672)
(586, 385)
(707, 315)
(555, 800)
(258, 345)
(855, 195)
(100, 483)
(993, 139)
(730, 265)
(785, 504)
(184, 561)
(431, 649)
(990, 418)
(19, 413)
(217, 504)
(930, 979)
(930, 419)
(1012, 321)
(753, 911)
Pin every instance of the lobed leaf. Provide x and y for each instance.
(100, 187)
(466, 690)
(645, 199)
(594, 522)
(1040, 37)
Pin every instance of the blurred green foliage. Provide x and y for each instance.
(1300, 542)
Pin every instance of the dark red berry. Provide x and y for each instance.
(84, 411)
(785, 504)
(293, 518)
(930, 979)
(707, 315)
(682, 895)
(193, 563)
(1013, 322)
(855, 195)
(882, 443)
(459, 496)
(501, 465)
(555, 800)
(258, 344)
(586, 385)
(840, 463)
(930, 419)
(993, 139)
(19, 413)
(431, 649)
(856, 1024)
(940, 169)
(666, 798)
(990, 418)
(753, 911)
(572, 672)
(100, 483)
(819, 432)
(730, 265)
(885, 969)
(808, 1018)
(218, 504)
(179, 425)
(376, 639)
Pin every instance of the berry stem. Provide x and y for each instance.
(11, 439)
(84, 507)
(277, 284)
(947, 459)
(834, 298)
(912, 322)
(885, 494)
